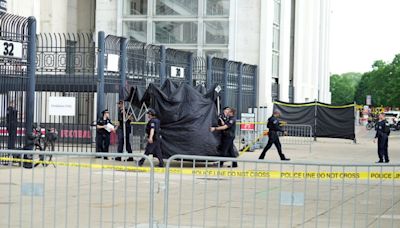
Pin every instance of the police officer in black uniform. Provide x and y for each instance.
(228, 129)
(273, 138)
(103, 132)
(11, 119)
(153, 138)
(382, 133)
(224, 116)
(120, 131)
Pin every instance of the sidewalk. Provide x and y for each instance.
(337, 151)
(83, 196)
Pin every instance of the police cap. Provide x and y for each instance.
(104, 111)
(151, 112)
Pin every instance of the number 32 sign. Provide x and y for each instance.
(10, 49)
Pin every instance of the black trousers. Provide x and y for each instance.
(227, 148)
(383, 141)
(102, 142)
(12, 137)
(155, 149)
(128, 147)
(273, 140)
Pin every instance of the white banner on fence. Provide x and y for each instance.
(10, 49)
(61, 106)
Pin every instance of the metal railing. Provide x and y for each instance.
(201, 193)
(77, 190)
(295, 134)
(95, 75)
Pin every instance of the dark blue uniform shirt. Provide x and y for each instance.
(381, 129)
(222, 119)
(102, 122)
(273, 124)
(121, 122)
(153, 124)
(231, 123)
(11, 117)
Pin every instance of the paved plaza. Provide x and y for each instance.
(79, 193)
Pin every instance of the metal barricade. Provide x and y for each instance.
(295, 134)
(201, 193)
(75, 190)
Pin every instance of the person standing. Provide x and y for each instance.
(224, 116)
(120, 131)
(273, 138)
(382, 134)
(104, 128)
(12, 120)
(153, 138)
(228, 129)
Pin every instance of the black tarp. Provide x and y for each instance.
(186, 115)
(326, 120)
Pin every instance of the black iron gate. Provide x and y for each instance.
(65, 75)
(63, 81)
(15, 79)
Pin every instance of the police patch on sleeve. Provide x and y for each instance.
(231, 121)
(275, 121)
(153, 125)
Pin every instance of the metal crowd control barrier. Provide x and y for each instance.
(75, 190)
(201, 193)
(296, 134)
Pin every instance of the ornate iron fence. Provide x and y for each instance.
(64, 81)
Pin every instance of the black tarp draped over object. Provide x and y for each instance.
(186, 115)
(326, 120)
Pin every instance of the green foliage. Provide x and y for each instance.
(343, 87)
(382, 83)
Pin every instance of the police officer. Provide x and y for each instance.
(120, 131)
(273, 138)
(382, 133)
(11, 119)
(153, 138)
(223, 117)
(104, 128)
(228, 129)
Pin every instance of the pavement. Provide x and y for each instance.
(83, 195)
(339, 151)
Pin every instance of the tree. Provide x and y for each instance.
(382, 83)
(343, 87)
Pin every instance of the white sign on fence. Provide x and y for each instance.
(112, 62)
(61, 106)
(247, 121)
(177, 72)
(10, 49)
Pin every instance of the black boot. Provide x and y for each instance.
(140, 163)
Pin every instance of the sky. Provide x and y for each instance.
(361, 32)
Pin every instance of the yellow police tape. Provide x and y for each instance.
(138, 123)
(229, 172)
(252, 143)
(315, 103)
